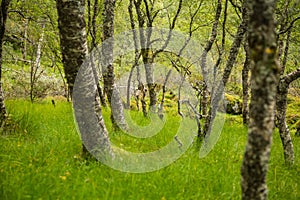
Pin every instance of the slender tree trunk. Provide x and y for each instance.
(245, 83)
(92, 31)
(112, 92)
(136, 57)
(3, 17)
(24, 49)
(210, 42)
(281, 106)
(36, 65)
(217, 96)
(264, 79)
(161, 106)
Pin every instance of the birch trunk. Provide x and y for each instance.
(281, 106)
(113, 95)
(36, 65)
(264, 79)
(210, 42)
(73, 44)
(245, 83)
(217, 96)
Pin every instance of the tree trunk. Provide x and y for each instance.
(217, 96)
(112, 92)
(35, 66)
(245, 83)
(210, 42)
(73, 42)
(264, 79)
(281, 106)
(3, 17)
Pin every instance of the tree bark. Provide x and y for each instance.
(112, 92)
(74, 49)
(264, 79)
(36, 65)
(245, 83)
(73, 42)
(217, 96)
(3, 17)
(281, 106)
(210, 42)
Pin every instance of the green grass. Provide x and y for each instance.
(40, 158)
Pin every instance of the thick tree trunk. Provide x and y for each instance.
(264, 79)
(3, 17)
(73, 42)
(281, 106)
(112, 92)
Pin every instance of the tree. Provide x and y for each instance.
(245, 83)
(234, 50)
(207, 48)
(288, 18)
(110, 89)
(3, 17)
(146, 18)
(73, 43)
(281, 106)
(264, 79)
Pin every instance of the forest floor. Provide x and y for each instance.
(40, 158)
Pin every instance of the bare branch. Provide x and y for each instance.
(290, 26)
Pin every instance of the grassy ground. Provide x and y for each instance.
(40, 159)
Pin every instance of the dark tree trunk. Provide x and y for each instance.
(3, 17)
(73, 42)
(112, 92)
(264, 79)
(136, 58)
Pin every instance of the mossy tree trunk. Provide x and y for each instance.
(264, 79)
(3, 17)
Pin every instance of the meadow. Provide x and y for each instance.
(40, 158)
